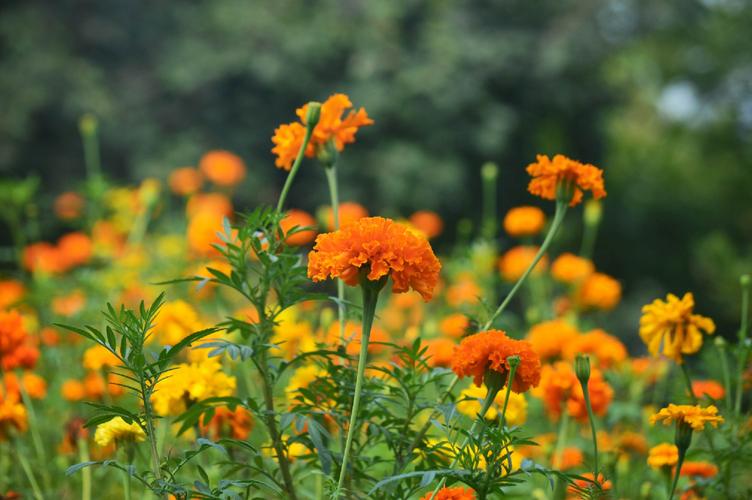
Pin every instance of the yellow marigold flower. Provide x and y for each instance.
(175, 321)
(524, 221)
(376, 247)
(118, 431)
(514, 263)
(670, 327)
(335, 124)
(293, 337)
(302, 378)
(607, 350)
(547, 174)
(570, 268)
(663, 455)
(550, 337)
(599, 291)
(470, 401)
(98, 357)
(189, 383)
(694, 416)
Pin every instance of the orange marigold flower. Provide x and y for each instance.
(69, 206)
(457, 493)
(185, 181)
(633, 442)
(709, 388)
(16, 350)
(75, 249)
(570, 268)
(70, 304)
(561, 391)
(575, 490)
(694, 416)
(376, 247)
(455, 325)
(215, 203)
(11, 291)
(237, 423)
(222, 167)
(599, 291)
(349, 212)
(571, 457)
(43, 257)
(427, 222)
(464, 291)
(335, 124)
(34, 385)
(524, 221)
(73, 390)
(489, 350)
(698, 469)
(547, 174)
(202, 233)
(300, 218)
(12, 414)
(514, 263)
(550, 337)
(670, 327)
(607, 349)
(663, 455)
(439, 352)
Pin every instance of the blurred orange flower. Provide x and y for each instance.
(607, 350)
(456, 493)
(698, 469)
(376, 247)
(301, 218)
(588, 484)
(222, 167)
(214, 203)
(455, 325)
(185, 181)
(561, 391)
(237, 423)
(547, 174)
(69, 206)
(570, 268)
(75, 249)
(514, 263)
(489, 350)
(349, 212)
(599, 291)
(524, 221)
(549, 338)
(571, 457)
(710, 388)
(11, 292)
(439, 352)
(70, 304)
(427, 222)
(42, 257)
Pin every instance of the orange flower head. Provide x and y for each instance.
(377, 248)
(599, 291)
(73, 390)
(440, 352)
(663, 455)
(490, 350)
(670, 327)
(185, 181)
(549, 338)
(12, 414)
(454, 326)
(464, 291)
(349, 212)
(202, 233)
(237, 423)
(699, 469)
(222, 167)
(214, 203)
(709, 388)
(524, 221)
(607, 350)
(11, 292)
(43, 257)
(695, 416)
(427, 222)
(548, 175)
(575, 490)
(514, 263)
(34, 385)
(457, 493)
(561, 391)
(69, 206)
(571, 458)
(13, 339)
(69, 304)
(571, 269)
(301, 219)
(336, 124)
(75, 249)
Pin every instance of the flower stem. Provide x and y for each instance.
(688, 382)
(331, 178)
(679, 463)
(370, 299)
(294, 169)
(743, 348)
(34, 430)
(726, 373)
(126, 486)
(591, 417)
(561, 210)
(503, 419)
(29, 475)
(83, 451)
(561, 440)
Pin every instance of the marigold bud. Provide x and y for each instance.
(582, 368)
(489, 171)
(313, 115)
(87, 124)
(593, 212)
(683, 436)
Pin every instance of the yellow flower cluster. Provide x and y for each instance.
(191, 382)
(118, 431)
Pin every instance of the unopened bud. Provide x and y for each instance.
(87, 124)
(582, 368)
(683, 436)
(593, 212)
(745, 280)
(313, 115)
(720, 342)
(489, 171)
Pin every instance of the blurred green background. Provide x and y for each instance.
(658, 93)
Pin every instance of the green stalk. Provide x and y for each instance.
(591, 417)
(721, 346)
(503, 419)
(312, 118)
(29, 475)
(83, 451)
(561, 438)
(679, 463)
(743, 349)
(561, 210)
(688, 382)
(126, 486)
(34, 430)
(489, 174)
(331, 178)
(370, 299)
